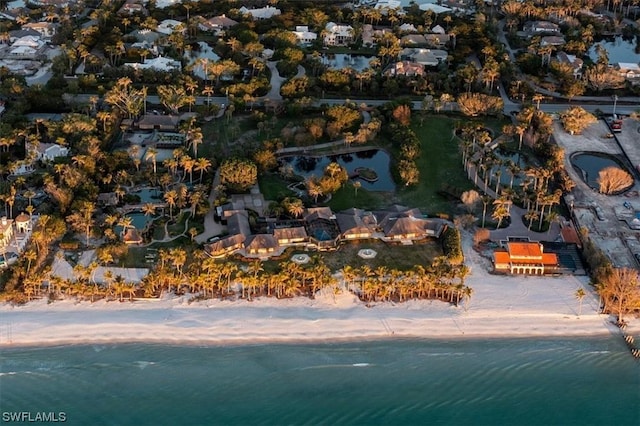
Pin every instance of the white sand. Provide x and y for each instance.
(501, 306)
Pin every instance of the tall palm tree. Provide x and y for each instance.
(202, 165)
(171, 198)
(152, 155)
(580, 294)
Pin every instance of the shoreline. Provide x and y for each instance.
(176, 321)
(502, 306)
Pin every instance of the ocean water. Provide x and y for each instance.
(592, 381)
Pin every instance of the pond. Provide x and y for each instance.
(375, 159)
(619, 50)
(138, 220)
(148, 195)
(590, 164)
(344, 60)
(203, 51)
(505, 175)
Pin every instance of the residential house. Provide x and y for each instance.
(160, 63)
(58, 4)
(159, 122)
(23, 167)
(319, 228)
(131, 7)
(12, 14)
(437, 40)
(435, 8)
(45, 29)
(400, 223)
(261, 244)
(526, 257)
(438, 30)
(356, 224)
(132, 236)
(552, 41)
(290, 236)
(384, 5)
(23, 223)
(6, 231)
(48, 152)
(404, 68)
(628, 70)
(16, 35)
(169, 26)
(426, 57)
(27, 47)
(217, 24)
(540, 27)
(261, 13)
(573, 61)
(304, 36)
(413, 40)
(239, 230)
(407, 28)
(338, 35)
(369, 34)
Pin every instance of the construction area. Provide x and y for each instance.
(612, 221)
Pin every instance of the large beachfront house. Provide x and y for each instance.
(524, 257)
(320, 229)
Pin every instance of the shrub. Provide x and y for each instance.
(452, 245)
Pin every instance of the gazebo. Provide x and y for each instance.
(23, 223)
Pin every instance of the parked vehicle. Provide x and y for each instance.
(616, 126)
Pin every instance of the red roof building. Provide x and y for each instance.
(524, 258)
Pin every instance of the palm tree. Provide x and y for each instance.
(125, 222)
(171, 197)
(152, 154)
(580, 294)
(531, 215)
(202, 165)
(357, 184)
(500, 211)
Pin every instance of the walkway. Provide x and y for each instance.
(516, 228)
(211, 227)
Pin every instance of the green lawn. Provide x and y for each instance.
(273, 187)
(439, 164)
(346, 198)
(391, 256)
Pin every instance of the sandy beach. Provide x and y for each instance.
(501, 306)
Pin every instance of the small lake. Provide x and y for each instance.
(204, 51)
(505, 175)
(619, 50)
(138, 220)
(589, 166)
(344, 60)
(375, 159)
(149, 195)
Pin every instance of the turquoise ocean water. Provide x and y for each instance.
(592, 381)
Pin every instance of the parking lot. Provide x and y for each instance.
(612, 221)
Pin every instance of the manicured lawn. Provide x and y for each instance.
(439, 164)
(391, 256)
(346, 198)
(273, 187)
(496, 124)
